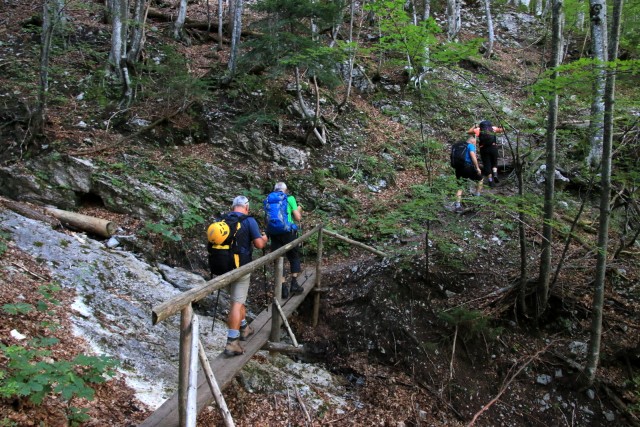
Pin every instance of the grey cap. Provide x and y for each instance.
(240, 201)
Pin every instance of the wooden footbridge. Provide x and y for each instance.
(198, 387)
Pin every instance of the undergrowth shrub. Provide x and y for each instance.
(29, 371)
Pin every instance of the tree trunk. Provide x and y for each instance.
(427, 10)
(549, 188)
(137, 32)
(182, 16)
(598, 14)
(580, 15)
(235, 36)
(490, 34)
(351, 55)
(220, 23)
(48, 24)
(98, 226)
(593, 354)
(453, 19)
(119, 17)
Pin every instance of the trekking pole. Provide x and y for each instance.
(215, 311)
(301, 244)
(264, 283)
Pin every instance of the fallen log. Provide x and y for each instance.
(90, 224)
(26, 211)
(283, 348)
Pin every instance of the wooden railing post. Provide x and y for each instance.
(276, 322)
(186, 336)
(316, 296)
(192, 391)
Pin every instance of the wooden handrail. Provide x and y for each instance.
(172, 306)
(353, 242)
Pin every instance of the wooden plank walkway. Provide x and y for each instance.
(226, 368)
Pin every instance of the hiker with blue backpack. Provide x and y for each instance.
(485, 132)
(230, 238)
(465, 162)
(281, 212)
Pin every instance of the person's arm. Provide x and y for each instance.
(258, 238)
(474, 160)
(497, 129)
(296, 210)
(472, 130)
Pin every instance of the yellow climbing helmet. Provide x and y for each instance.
(218, 232)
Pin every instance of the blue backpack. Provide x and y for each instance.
(277, 217)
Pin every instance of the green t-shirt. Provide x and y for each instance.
(292, 205)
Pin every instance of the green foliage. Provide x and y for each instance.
(162, 229)
(18, 308)
(192, 217)
(167, 77)
(470, 323)
(4, 237)
(286, 42)
(48, 298)
(630, 35)
(32, 374)
(634, 386)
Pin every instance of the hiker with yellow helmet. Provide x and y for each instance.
(230, 240)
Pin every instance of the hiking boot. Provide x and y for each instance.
(495, 179)
(246, 333)
(492, 183)
(458, 209)
(285, 291)
(296, 289)
(233, 348)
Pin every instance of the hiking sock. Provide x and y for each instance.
(243, 325)
(233, 334)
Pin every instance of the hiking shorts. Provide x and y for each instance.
(239, 289)
(489, 156)
(293, 255)
(468, 172)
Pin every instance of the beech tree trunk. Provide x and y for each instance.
(598, 14)
(235, 36)
(119, 28)
(453, 19)
(549, 185)
(48, 22)
(137, 30)
(220, 23)
(427, 10)
(580, 15)
(490, 34)
(182, 16)
(593, 354)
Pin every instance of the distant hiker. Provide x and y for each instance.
(469, 169)
(281, 211)
(230, 247)
(488, 145)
